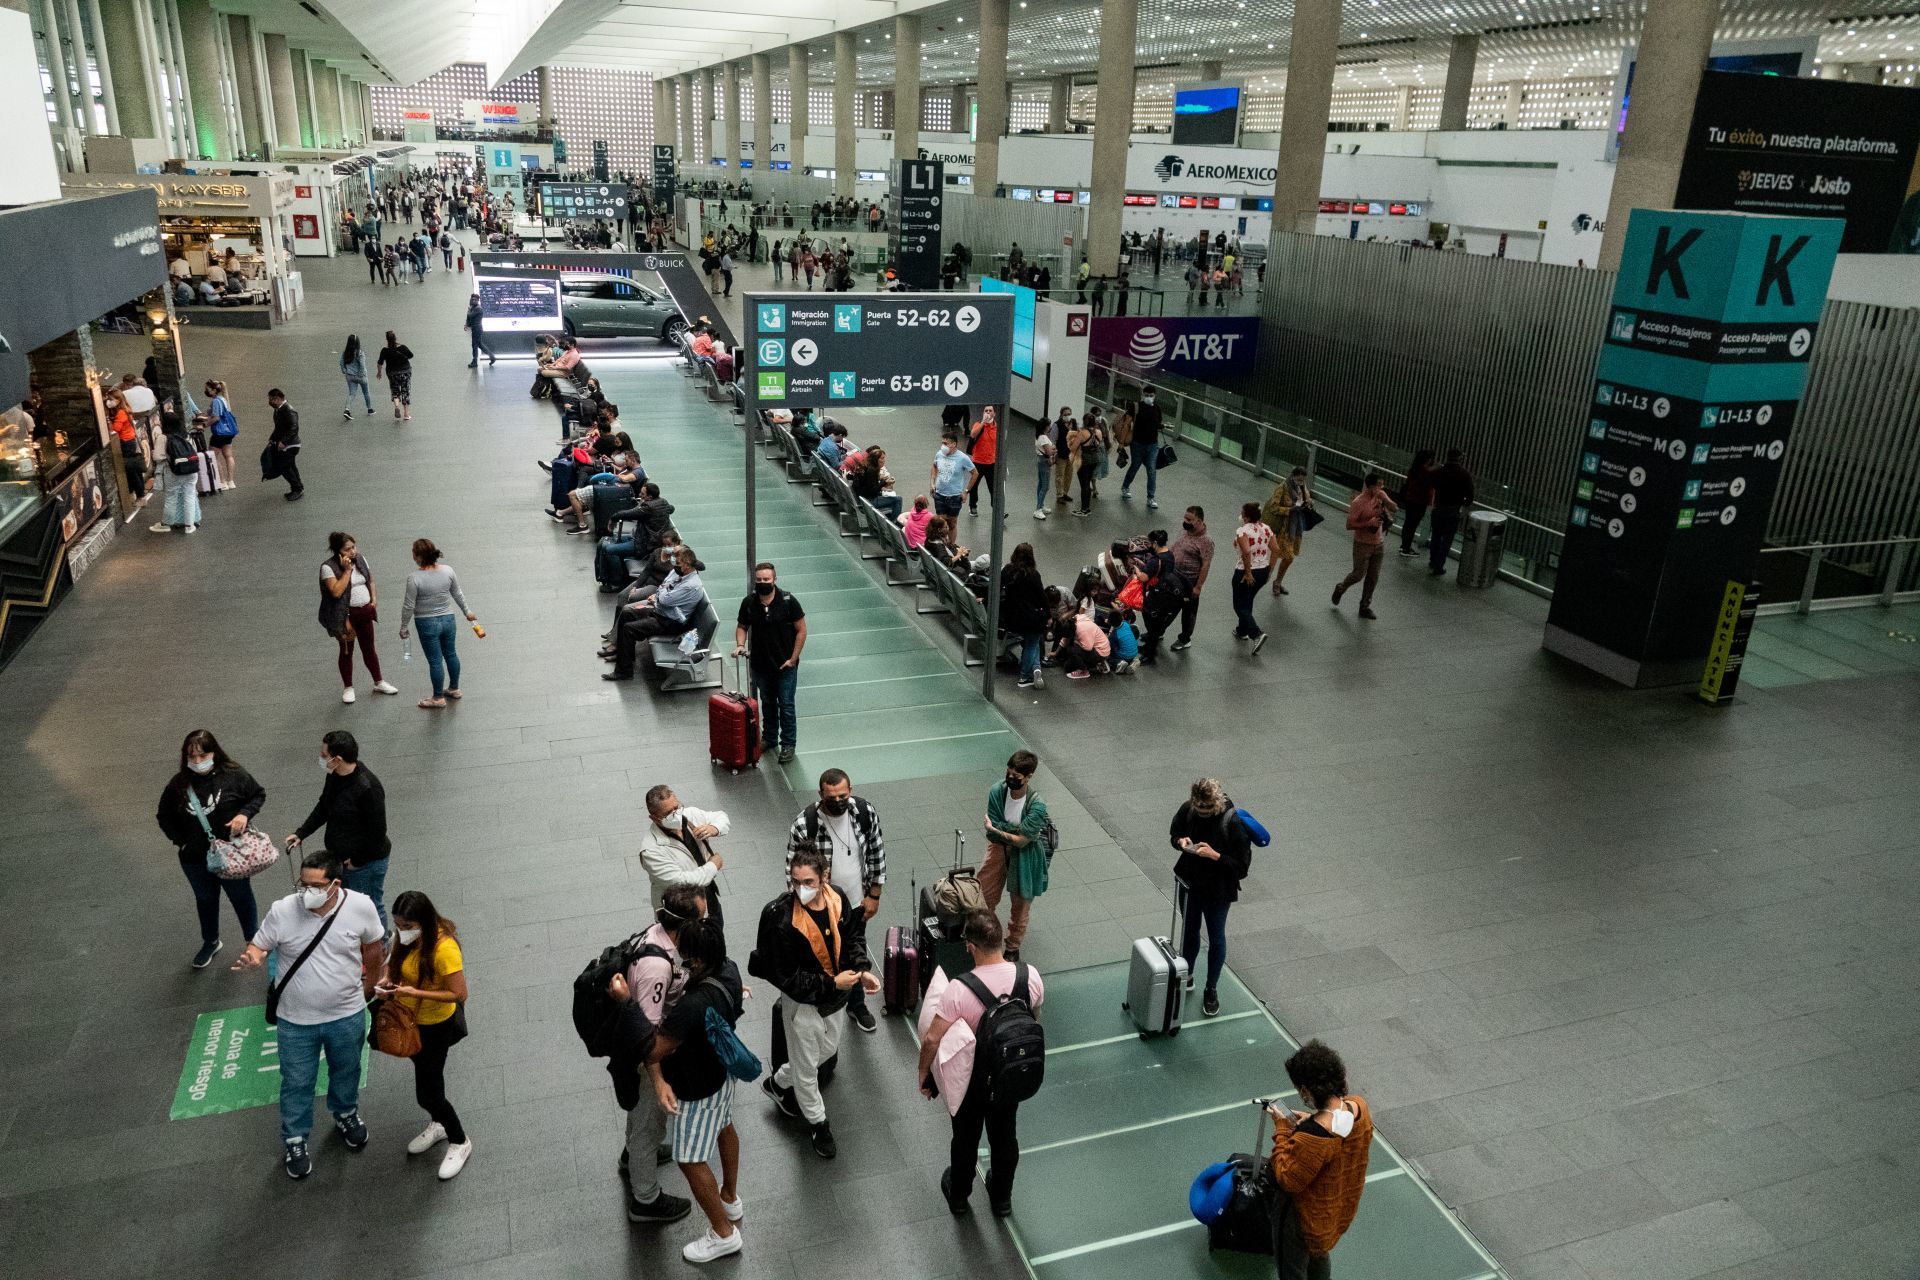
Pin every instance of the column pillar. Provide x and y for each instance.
(957, 112)
(1059, 102)
(992, 96)
(326, 103)
(128, 53)
(797, 107)
(1673, 53)
(1211, 70)
(280, 81)
(686, 110)
(543, 82)
(1462, 53)
(243, 138)
(77, 60)
(200, 46)
(1402, 107)
(103, 59)
(169, 89)
(1113, 109)
(42, 17)
(730, 93)
(705, 134)
(906, 86)
(1303, 115)
(762, 117)
(843, 81)
(254, 113)
(189, 119)
(1510, 107)
(303, 97)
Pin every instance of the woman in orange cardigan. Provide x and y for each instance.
(1320, 1162)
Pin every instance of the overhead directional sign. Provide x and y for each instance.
(878, 349)
(560, 200)
(663, 175)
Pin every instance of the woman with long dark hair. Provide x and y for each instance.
(353, 367)
(433, 593)
(427, 974)
(1215, 852)
(396, 366)
(349, 600)
(210, 794)
(1023, 610)
(222, 430)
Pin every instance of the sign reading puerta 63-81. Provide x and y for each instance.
(878, 349)
(1705, 358)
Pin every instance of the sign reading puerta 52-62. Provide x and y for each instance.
(1705, 357)
(877, 349)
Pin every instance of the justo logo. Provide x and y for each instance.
(1148, 346)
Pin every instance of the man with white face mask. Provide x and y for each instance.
(809, 948)
(326, 944)
(674, 848)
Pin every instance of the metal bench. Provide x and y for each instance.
(681, 670)
(840, 493)
(893, 546)
(963, 608)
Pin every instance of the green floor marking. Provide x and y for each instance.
(233, 1063)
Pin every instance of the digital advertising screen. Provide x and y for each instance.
(1024, 301)
(518, 306)
(613, 303)
(1208, 115)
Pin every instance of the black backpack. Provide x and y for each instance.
(181, 456)
(600, 1022)
(1010, 1057)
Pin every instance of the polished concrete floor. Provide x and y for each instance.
(1632, 983)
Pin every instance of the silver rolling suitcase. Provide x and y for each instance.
(1157, 980)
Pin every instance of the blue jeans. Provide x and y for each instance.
(779, 722)
(887, 504)
(207, 888)
(1045, 486)
(1214, 914)
(1032, 645)
(478, 340)
(1446, 523)
(436, 642)
(371, 879)
(609, 557)
(1148, 456)
(300, 1050)
(365, 395)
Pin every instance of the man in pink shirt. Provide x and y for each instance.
(986, 945)
(1369, 517)
(653, 983)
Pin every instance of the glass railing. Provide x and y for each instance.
(1270, 442)
(1839, 575)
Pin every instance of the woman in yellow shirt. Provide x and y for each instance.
(426, 973)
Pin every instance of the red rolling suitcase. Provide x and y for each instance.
(733, 725)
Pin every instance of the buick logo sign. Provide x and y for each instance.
(1169, 168)
(1148, 345)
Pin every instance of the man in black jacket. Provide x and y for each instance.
(1452, 495)
(1146, 446)
(353, 808)
(283, 446)
(809, 948)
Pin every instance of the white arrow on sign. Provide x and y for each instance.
(956, 383)
(966, 320)
(805, 351)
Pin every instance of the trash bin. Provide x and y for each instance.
(1480, 547)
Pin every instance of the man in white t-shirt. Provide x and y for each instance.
(986, 944)
(845, 830)
(322, 999)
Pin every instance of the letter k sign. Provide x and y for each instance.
(1666, 261)
(1773, 273)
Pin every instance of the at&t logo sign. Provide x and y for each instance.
(1150, 345)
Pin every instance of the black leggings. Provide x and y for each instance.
(1086, 475)
(430, 1073)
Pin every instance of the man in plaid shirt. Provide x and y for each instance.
(845, 830)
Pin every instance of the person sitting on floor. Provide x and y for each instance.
(1083, 648)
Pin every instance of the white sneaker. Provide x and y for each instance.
(709, 1246)
(429, 1137)
(346, 695)
(1040, 514)
(159, 528)
(192, 528)
(455, 1160)
(382, 686)
(734, 1209)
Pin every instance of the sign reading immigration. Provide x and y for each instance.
(874, 349)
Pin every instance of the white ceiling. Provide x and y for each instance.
(1383, 41)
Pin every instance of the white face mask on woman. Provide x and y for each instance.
(407, 936)
(204, 765)
(806, 893)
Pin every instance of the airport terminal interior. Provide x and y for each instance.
(1454, 466)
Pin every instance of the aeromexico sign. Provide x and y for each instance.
(1203, 347)
(1234, 170)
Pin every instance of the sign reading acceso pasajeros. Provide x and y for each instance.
(1809, 148)
(875, 349)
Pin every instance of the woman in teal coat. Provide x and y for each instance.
(1016, 858)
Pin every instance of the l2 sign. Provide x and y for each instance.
(1192, 346)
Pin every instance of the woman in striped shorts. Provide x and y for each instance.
(696, 1089)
